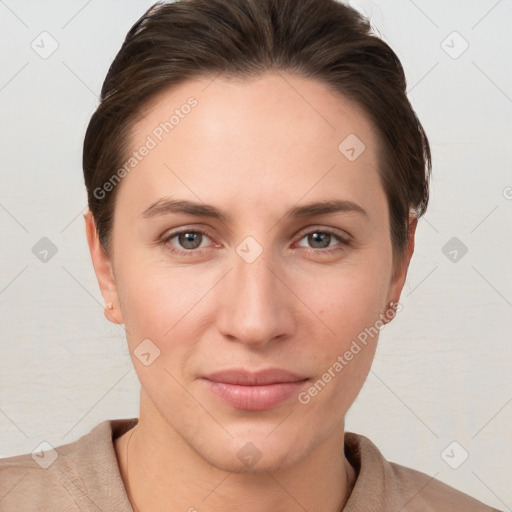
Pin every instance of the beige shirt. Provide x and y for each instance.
(85, 476)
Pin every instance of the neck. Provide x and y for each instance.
(161, 472)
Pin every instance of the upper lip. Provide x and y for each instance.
(256, 378)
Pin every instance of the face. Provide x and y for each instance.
(256, 280)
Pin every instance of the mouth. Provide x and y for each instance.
(254, 391)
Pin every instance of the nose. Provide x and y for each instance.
(257, 303)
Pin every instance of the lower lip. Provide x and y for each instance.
(254, 398)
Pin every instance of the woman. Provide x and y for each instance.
(255, 174)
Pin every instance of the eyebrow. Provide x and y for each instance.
(165, 206)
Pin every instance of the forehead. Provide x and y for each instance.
(226, 104)
(276, 132)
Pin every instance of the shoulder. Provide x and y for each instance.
(47, 476)
(396, 487)
(425, 493)
(64, 478)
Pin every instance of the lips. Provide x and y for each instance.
(254, 391)
(259, 378)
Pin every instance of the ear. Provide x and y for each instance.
(401, 268)
(103, 268)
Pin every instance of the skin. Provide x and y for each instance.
(254, 149)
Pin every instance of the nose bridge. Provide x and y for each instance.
(253, 275)
(255, 305)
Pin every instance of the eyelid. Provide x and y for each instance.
(325, 229)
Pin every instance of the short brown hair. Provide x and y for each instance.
(319, 39)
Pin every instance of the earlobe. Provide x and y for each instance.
(102, 264)
(400, 273)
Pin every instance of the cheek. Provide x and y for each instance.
(346, 300)
(348, 305)
(343, 355)
(158, 305)
(153, 300)
(163, 302)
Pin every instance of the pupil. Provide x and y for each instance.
(186, 239)
(318, 237)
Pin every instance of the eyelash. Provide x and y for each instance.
(343, 242)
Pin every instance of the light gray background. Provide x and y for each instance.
(442, 372)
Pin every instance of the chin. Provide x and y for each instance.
(252, 462)
(254, 453)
